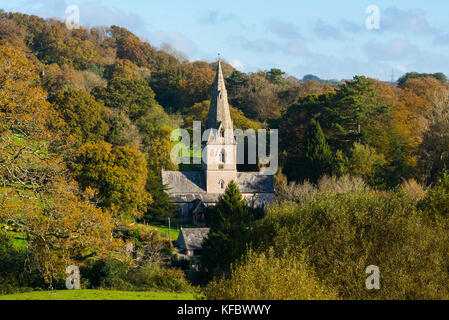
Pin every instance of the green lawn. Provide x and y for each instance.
(97, 295)
(174, 231)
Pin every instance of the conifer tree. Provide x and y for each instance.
(317, 158)
(229, 223)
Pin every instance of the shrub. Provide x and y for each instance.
(267, 277)
(437, 200)
(301, 192)
(298, 192)
(343, 184)
(153, 276)
(341, 234)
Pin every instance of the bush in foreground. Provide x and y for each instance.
(267, 277)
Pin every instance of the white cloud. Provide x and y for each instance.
(236, 63)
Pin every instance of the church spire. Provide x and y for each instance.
(219, 108)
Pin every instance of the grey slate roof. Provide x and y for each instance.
(253, 182)
(191, 184)
(184, 181)
(193, 237)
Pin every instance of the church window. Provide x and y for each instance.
(223, 156)
(221, 133)
(222, 184)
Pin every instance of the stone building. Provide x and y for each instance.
(190, 241)
(193, 191)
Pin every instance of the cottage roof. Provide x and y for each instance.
(193, 237)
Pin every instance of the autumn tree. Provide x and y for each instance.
(83, 116)
(117, 176)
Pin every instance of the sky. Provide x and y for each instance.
(330, 39)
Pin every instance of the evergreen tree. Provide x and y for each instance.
(317, 158)
(161, 207)
(229, 223)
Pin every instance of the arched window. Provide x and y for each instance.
(222, 133)
(222, 184)
(223, 156)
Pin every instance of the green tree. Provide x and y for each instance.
(116, 175)
(276, 76)
(161, 207)
(413, 75)
(133, 96)
(317, 158)
(229, 223)
(83, 116)
(350, 109)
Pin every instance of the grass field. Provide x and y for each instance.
(174, 231)
(97, 295)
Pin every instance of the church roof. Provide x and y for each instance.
(186, 186)
(192, 238)
(219, 113)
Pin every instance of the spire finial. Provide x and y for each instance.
(219, 58)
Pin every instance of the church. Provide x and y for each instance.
(194, 191)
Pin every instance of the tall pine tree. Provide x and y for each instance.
(229, 223)
(317, 157)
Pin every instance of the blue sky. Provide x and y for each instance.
(325, 38)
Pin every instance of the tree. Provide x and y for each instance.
(276, 76)
(196, 85)
(266, 276)
(351, 108)
(130, 47)
(116, 175)
(414, 75)
(161, 207)
(365, 162)
(133, 96)
(83, 116)
(257, 97)
(158, 150)
(229, 223)
(317, 158)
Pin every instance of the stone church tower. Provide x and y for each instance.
(194, 191)
(220, 148)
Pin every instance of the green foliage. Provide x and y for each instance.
(414, 75)
(266, 276)
(114, 274)
(117, 175)
(83, 116)
(436, 202)
(153, 276)
(352, 107)
(161, 207)
(133, 96)
(341, 234)
(317, 158)
(229, 222)
(364, 161)
(276, 76)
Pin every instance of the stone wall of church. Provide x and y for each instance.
(258, 200)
